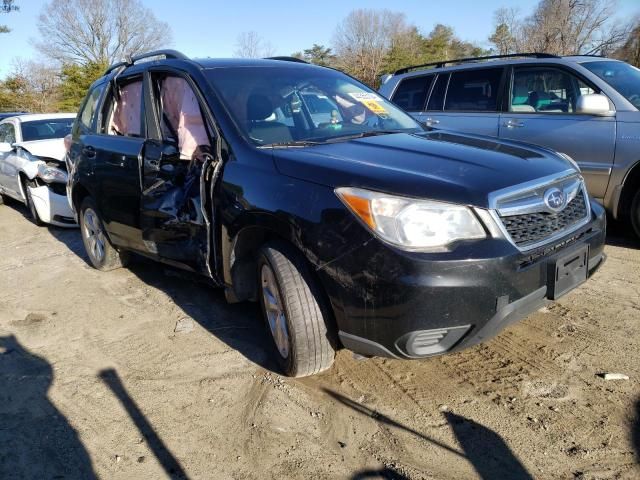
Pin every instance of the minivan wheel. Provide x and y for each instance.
(635, 214)
(294, 311)
(101, 253)
(31, 206)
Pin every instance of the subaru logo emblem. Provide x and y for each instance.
(554, 199)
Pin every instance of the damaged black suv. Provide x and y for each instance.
(296, 186)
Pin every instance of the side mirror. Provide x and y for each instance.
(5, 147)
(593, 104)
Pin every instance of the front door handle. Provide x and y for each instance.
(513, 124)
(89, 151)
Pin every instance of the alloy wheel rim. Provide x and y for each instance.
(94, 235)
(274, 310)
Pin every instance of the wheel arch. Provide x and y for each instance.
(630, 185)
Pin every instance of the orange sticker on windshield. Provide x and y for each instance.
(374, 106)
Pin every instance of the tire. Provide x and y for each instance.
(635, 214)
(35, 218)
(1, 199)
(101, 253)
(306, 347)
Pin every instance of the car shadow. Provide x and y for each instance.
(36, 440)
(386, 473)
(487, 452)
(620, 234)
(635, 432)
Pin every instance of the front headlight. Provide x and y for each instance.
(52, 174)
(412, 224)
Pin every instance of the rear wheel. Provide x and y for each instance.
(35, 218)
(635, 213)
(295, 312)
(101, 253)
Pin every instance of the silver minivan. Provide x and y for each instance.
(583, 106)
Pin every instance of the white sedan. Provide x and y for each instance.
(32, 165)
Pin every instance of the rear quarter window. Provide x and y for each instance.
(474, 90)
(411, 94)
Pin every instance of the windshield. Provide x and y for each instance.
(621, 76)
(280, 106)
(46, 129)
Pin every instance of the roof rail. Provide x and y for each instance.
(287, 59)
(142, 56)
(444, 63)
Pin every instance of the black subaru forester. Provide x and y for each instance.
(299, 187)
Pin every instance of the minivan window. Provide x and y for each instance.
(411, 94)
(436, 100)
(547, 90)
(86, 115)
(257, 99)
(624, 78)
(474, 90)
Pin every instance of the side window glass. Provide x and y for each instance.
(181, 118)
(474, 90)
(7, 133)
(546, 90)
(436, 100)
(86, 115)
(411, 94)
(126, 110)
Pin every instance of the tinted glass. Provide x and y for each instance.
(474, 90)
(621, 76)
(411, 94)
(86, 115)
(46, 129)
(282, 105)
(546, 90)
(436, 100)
(7, 133)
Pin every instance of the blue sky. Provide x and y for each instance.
(210, 28)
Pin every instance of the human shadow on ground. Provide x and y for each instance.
(166, 459)
(489, 454)
(36, 440)
(635, 432)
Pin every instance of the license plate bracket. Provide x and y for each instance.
(567, 271)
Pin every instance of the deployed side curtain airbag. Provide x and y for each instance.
(126, 115)
(182, 112)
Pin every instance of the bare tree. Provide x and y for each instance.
(7, 6)
(98, 31)
(563, 27)
(630, 50)
(252, 45)
(33, 86)
(507, 36)
(365, 37)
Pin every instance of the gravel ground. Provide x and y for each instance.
(145, 373)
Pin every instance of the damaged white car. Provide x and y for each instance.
(32, 165)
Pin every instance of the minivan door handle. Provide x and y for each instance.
(513, 124)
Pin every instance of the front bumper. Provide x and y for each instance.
(52, 208)
(414, 305)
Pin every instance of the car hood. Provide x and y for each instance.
(444, 166)
(47, 149)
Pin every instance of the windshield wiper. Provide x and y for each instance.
(370, 133)
(291, 143)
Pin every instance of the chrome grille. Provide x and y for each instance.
(531, 228)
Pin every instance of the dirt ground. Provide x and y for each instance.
(144, 373)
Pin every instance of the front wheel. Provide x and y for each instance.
(31, 206)
(635, 213)
(295, 312)
(101, 253)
